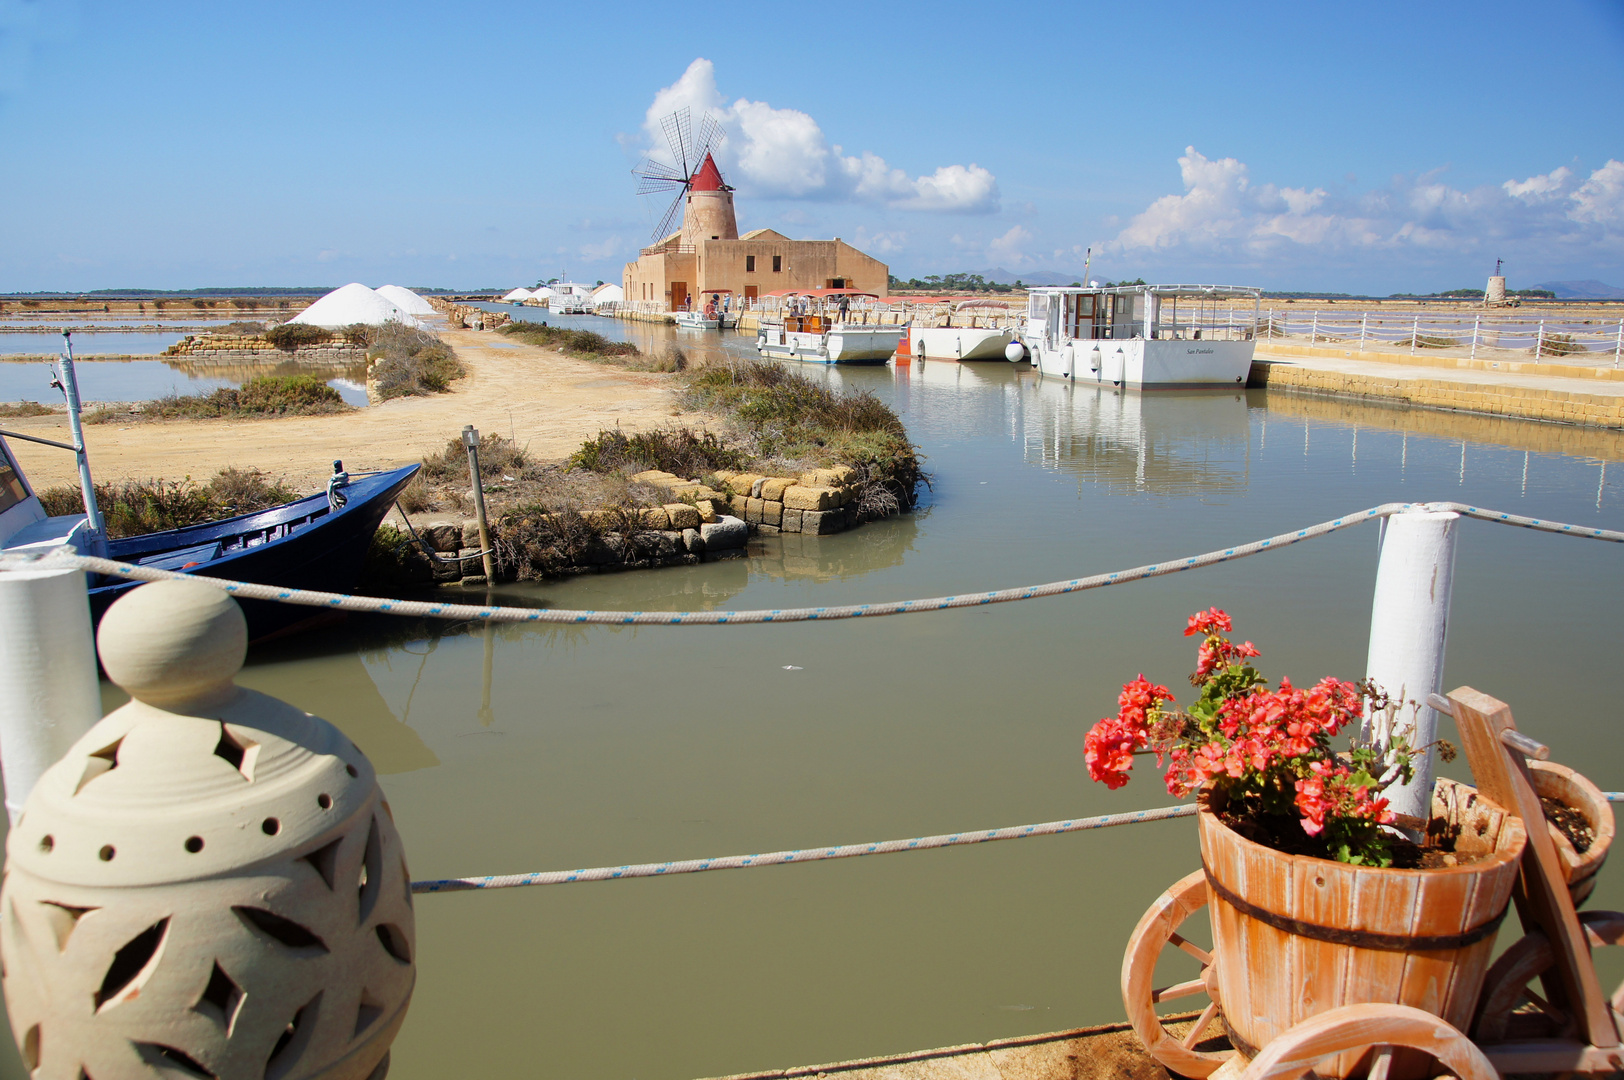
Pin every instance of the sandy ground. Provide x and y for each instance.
(539, 396)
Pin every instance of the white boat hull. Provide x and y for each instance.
(842, 345)
(1138, 364)
(689, 320)
(958, 343)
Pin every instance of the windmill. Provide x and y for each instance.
(689, 155)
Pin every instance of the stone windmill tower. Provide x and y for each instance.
(703, 200)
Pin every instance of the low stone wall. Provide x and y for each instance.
(819, 502)
(206, 349)
(1526, 402)
(463, 317)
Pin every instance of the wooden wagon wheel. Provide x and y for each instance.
(1156, 931)
(1382, 1028)
(1510, 1009)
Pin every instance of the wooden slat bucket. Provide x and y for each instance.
(1294, 935)
(1553, 781)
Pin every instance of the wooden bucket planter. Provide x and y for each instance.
(1553, 781)
(1294, 936)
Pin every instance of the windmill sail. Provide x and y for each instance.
(687, 157)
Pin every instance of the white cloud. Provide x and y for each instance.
(1223, 212)
(783, 153)
(879, 243)
(606, 250)
(1009, 249)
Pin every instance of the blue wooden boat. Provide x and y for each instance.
(312, 543)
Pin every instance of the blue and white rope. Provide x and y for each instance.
(424, 610)
(784, 858)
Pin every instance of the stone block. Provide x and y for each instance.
(744, 483)
(845, 475)
(650, 476)
(692, 542)
(821, 478)
(682, 489)
(791, 521)
(447, 571)
(654, 517)
(800, 497)
(442, 535)
(752, 511)
(755, 488)
(473, 579)
(710, 509)
(682, 516)
(849, 511)
(709, 493)
(772, 489)
(729, 532)
(822, 522)
(470, 533)
(771, 512)
(767, 530)
(737, 504)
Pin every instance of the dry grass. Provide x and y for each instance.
(264, 395)
(24, 408)
(410, 362)
(138, 507)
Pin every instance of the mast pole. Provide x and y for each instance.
(70, 389)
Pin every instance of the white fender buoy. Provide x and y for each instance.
(1014, 352)
(1068, 357)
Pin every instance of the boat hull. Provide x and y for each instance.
(958, 343)
(1138, 364)
(300, 545)
(689, 321)
(848, 345)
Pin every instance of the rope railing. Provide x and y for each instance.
(808, 855)
(61, 557)
(800, 855)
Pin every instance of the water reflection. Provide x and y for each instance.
(1172, 443)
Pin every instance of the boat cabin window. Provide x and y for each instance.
(12, 489)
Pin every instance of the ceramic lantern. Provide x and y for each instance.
(209, 883)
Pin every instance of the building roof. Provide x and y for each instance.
(708, 177)
(763, 234)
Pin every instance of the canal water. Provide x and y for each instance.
(530, 748)
(144, 380)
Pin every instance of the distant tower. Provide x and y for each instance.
(1496, 292)
(709, 211)
(703, 200)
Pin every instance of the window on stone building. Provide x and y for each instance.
(749, 264)
(778, 263)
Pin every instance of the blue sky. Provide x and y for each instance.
(1374, 147)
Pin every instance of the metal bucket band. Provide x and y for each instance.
(1359, 939)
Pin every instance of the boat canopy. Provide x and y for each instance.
(1181, 312)
(820, 292)
(1210, 292)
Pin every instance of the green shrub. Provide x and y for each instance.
(1560, 345)
(410, 361)
(575, 342)
(292, 335)
(240, 329)
(264, 395)
(23, 408)
(679, 451)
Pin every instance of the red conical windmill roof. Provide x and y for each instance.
(708, 177)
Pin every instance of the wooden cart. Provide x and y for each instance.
(1541, 1008)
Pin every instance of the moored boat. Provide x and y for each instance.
(317, 543)
(1144, 337)
(958, 342)
(817, 327)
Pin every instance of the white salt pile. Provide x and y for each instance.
(405, 299)
(354, 303)
(517, 296)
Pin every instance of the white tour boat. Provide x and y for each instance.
(570, 298)
(1144, 337)
(958, 343)
(810, 326)
(696, 320)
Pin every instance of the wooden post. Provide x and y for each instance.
(470, 439)
(1409, 622)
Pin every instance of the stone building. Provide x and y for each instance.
(709, 255)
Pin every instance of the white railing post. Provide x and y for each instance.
(1477, 321)
(1539, 341)
(1313, 329)
(1618, 348)
(1415, 332)
(1271, 324)
(48, 670)
(1364, 327)
(1409, 624)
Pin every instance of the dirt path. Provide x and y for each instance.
(543, 398)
